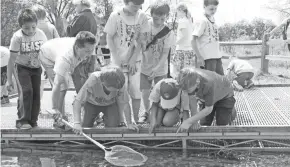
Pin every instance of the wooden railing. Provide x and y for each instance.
(265, 57)
(239, 43)
(266, 50)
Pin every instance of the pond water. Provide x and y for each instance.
(156, 158)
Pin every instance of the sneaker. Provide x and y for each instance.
(144, 118)
(237, 86)
(23, 126)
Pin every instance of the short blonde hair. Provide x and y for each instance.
(187, 77)
(40, 11)
(183, 7)
(112, 76)
(87, 3)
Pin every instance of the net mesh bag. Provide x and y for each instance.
(124, 156)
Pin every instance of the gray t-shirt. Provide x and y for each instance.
(213, 87)
(28, 46)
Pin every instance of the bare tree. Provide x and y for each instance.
(58, 12)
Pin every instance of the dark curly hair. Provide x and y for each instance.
(25, 16)
(85, 37)
(136, 2)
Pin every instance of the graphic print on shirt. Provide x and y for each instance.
(157, 47)
(212, 31)
(31, 50)
(128, 33)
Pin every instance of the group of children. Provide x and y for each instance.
(139, 48)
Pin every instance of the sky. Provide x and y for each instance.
(231, 11)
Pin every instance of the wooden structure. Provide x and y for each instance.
(262, 124)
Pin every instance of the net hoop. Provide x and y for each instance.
(124, 156)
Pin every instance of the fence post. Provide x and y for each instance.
(265, 52)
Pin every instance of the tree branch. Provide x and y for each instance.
(59, 7)
(63, 8)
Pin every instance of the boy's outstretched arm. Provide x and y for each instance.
(153, 117)
(186, 124)
(56, 95)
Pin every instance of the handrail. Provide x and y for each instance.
(256, 42)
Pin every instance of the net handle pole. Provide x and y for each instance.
(83, 134)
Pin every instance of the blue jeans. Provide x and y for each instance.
(29, 80)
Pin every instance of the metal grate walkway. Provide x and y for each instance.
(258, 106)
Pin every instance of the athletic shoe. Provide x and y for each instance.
(23, 126)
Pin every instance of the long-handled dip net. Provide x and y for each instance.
(117, 155)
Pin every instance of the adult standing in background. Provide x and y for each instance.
(84, 21)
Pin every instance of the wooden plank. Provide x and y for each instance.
(17, 150)
(273, 133)
(278, 57)
(206, 134)
(106, 135)
(204, 129)
(138, 135)
(171, 134)
(46, 135)
(232, 43)
(16, 135)
(73, 135)
(241, 134)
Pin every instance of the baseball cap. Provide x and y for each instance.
(170, 93)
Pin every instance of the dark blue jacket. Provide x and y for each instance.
(85, 21)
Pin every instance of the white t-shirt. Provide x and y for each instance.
(185, 25)
(239, 66)
(56, 47)
(5, 54)
(208, 38)
(65, 64)
(124, 28)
